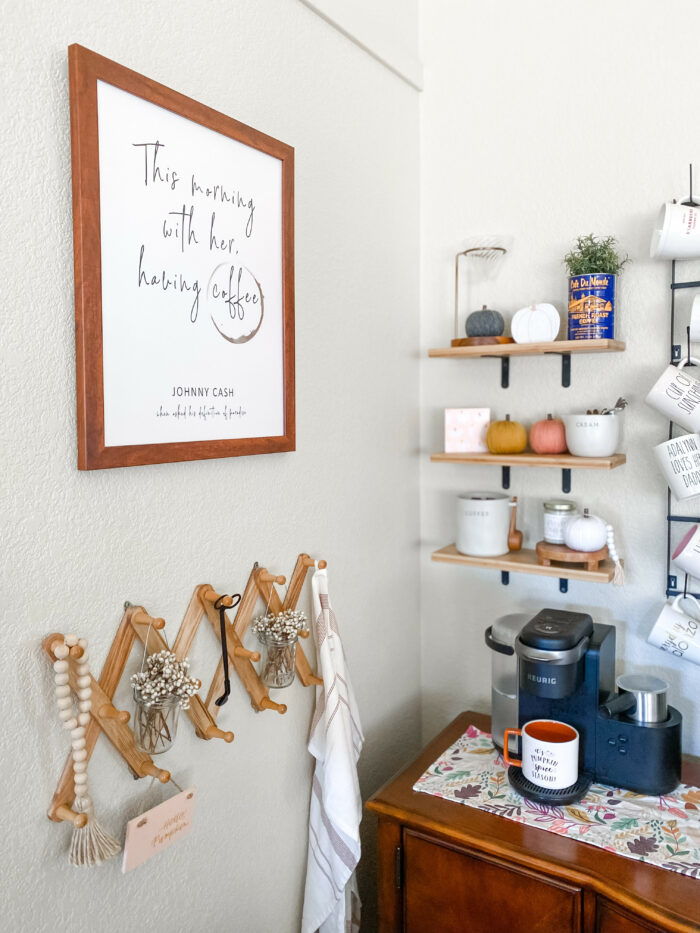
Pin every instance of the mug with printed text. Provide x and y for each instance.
(676, 394)
(549, 752)
(676, 631)
(679, 459)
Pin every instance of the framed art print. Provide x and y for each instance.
(184, 275)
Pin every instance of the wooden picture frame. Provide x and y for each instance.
(107, 291)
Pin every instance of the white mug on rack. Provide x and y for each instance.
(687, 554)
(676, 631)
(679, 460)
(676, 394)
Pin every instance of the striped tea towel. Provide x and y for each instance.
(331, 899)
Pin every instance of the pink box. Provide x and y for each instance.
(465, 430)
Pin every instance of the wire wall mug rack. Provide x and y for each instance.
(672, 588)
(137, 624)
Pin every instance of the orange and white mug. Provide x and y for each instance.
(549, 752)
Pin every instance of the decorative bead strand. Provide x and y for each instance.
(90, 844)
(619, 577)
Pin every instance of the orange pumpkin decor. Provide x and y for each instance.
(548, 437)
(506, 437)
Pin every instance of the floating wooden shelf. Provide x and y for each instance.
(563, 348)
(563, 461)
(532, 349)
(525, 561)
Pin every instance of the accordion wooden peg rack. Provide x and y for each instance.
(137, 624)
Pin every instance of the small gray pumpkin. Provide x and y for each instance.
(485, 323)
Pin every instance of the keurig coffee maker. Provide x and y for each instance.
(566, 672)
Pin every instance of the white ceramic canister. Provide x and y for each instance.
(557, 513)
(679, 460)
(677, 233)
(483, 521)
(592, 435)
(676, 394)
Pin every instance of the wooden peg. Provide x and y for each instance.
(241, 652)
(212, 596)
(304, 633)
(266, 577)
(310, 562)
(213, 732)
(150, 769)
(65, 814)
(50, 644)
(267, 703)
(313, 679)
(107, 711)
(141, 617)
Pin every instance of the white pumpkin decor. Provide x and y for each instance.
(589, 533)
(539, 323)
(585, 532)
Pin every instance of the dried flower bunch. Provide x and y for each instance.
(280, 627)
(166, 675)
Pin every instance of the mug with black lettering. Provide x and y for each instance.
(549, 752)
(679, 460)
(676, 631)
(676, 394)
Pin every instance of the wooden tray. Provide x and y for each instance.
(560, 553)
(480, 341)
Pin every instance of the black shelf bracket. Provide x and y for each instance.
(505, 577)
(566, 370)
(563, 585)
(676, 285)
(676, 353)
(505, 477)
(566, 480)
(505, 372)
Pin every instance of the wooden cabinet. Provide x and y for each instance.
(445, 868)
(612, 919)
(468, 891)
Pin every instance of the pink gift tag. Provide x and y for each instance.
(156, 829)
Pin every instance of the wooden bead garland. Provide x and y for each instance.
(90, 844)
(619, 577)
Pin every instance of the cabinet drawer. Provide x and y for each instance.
(454, 890)
(613, 919)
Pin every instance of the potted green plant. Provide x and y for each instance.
(593, 265)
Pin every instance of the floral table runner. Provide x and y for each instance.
(663, 831)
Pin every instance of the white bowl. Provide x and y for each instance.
(592, 435)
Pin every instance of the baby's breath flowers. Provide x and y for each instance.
(166, 675)
(280, 627)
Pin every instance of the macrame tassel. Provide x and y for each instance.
(619, 575)
(91, 845)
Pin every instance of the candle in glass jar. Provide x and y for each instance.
(557, 513)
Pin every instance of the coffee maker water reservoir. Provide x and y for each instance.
(500, 637)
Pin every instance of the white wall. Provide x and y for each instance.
(78, 544)
(544, 121)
